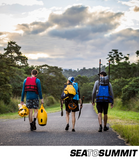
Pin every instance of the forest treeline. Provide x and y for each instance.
(82, 72)
(124, 76)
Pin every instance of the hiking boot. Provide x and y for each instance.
(73, 130)
(31, 127)
(100, 129)
(106, 128)
(67, 127)
(34, 125)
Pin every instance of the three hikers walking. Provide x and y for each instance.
(102, 92)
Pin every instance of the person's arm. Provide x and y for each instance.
(23, 93)
(39, 89)
(94, 93)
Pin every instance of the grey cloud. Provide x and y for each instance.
(89, 23)
(34, 28)
(81, 16)
(1, 33)
(136, 9)
(107, 18)
(99, 23)
(17, 9)
(77, 22)
(128, 33)
(126, 40)
(71, 34)
(81, 53)
(71, 17)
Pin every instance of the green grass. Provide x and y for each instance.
(129, 132)
(49, 109)
(124, 115)
(10, 116)
(120, 112)
(53, 108)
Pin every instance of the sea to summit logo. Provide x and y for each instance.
(103, 153)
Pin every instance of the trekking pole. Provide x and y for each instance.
(99, 65)
(80, 108)
(109, 70)
(99, 69)
(61, 107)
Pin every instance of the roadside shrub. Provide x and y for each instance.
(50, 100)
(130, 90)
(118, 84)
(3, 108)
(133, 104)
(11, 107)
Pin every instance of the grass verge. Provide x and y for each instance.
(125, 123)
(49, 109)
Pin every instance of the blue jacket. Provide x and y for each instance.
(32, 95)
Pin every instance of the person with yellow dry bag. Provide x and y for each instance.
(32, 88)
(71, 96)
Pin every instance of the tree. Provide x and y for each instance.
(11, 74)
(115, 57)
(5, 87)
(130, 90)
(52, 80)
(17, 81)
(13, 53)
(137, 53)
(120, 66)
(86, 91)
(81, 80)
(93, 78)
(118, 84)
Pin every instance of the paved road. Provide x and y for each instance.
(16, 132)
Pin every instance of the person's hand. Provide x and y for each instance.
(93, 103)
(81, 106)
(112, 105)
(42, 102)
(22, 103)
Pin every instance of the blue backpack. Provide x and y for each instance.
(103, 92)
(75, 85)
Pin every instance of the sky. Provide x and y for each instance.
(70, 34)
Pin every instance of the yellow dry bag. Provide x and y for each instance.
(69, 92)
(42, 116)
(22, 110)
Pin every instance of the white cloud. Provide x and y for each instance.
(131, 3)
(37, 55)
(21, 2)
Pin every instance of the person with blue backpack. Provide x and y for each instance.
(71, 102)
(103, 94)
